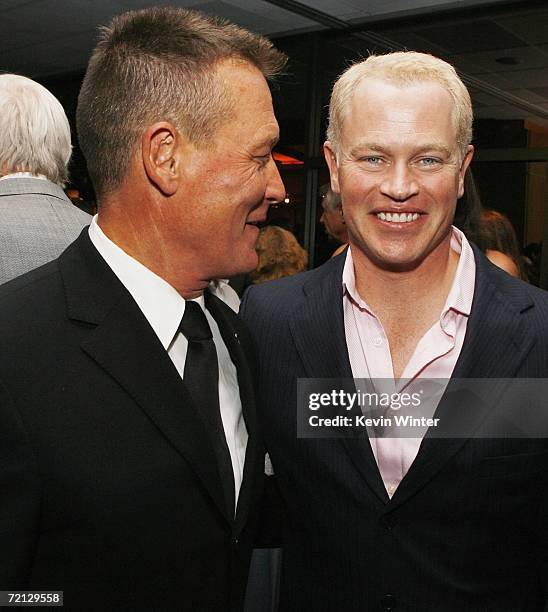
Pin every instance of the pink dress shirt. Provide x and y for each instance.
(434, 357)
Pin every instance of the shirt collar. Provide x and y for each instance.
(349, 283)
(162, 306)
(460, 295)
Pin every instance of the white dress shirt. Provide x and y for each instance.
(163, 308)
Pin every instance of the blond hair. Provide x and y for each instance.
(401, 68)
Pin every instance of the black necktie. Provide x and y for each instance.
(201, 377)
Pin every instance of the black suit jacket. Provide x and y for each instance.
(467, 528)
(108, 480)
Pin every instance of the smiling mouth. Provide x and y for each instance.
(393, 217)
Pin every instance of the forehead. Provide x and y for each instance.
(392, 112)
(253, 114)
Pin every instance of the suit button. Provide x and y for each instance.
(387, 522)
(388, 603)
(235, 541)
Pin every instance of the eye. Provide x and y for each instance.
(429, 162)
(373, 161)
(263, 160)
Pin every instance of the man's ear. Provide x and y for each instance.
(463, 168)
(331, 159)
(160, 149)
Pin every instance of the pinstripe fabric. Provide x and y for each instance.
(37, 223)
(467, 528)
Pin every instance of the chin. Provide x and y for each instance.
(400, 265)
(396, 261)
(242, 266)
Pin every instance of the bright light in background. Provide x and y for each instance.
(286, 160)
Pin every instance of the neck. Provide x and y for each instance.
(139, 237)
(428, 284)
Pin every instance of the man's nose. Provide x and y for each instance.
(399, 183)
(275, 189)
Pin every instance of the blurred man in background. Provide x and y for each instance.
(332, 217)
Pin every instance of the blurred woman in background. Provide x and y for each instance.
(490, 230)
(280, 255)
(497, 237)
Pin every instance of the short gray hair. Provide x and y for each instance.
(34, 130)
(401, 68)
(158, 64)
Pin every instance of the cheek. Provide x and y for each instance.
(357, 219)
(245, 179)
(357, 186)
(441, 190)
(358, 199)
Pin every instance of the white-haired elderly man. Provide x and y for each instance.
(403, 519)
(37, 220)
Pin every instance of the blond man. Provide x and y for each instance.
(426, 520)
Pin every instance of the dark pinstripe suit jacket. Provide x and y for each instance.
(467, 528)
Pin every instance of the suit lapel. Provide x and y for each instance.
(234, 336)
(496, 343)
(497, 340)
(126, 347)
(317, 324)
(317, 327)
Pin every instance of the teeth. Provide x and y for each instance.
(398, 217)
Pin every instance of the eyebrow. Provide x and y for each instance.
(363, 146)
(270, 142)
(435, 146)
(359, 149)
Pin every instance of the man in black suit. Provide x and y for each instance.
(452, 518)
(130, 464)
